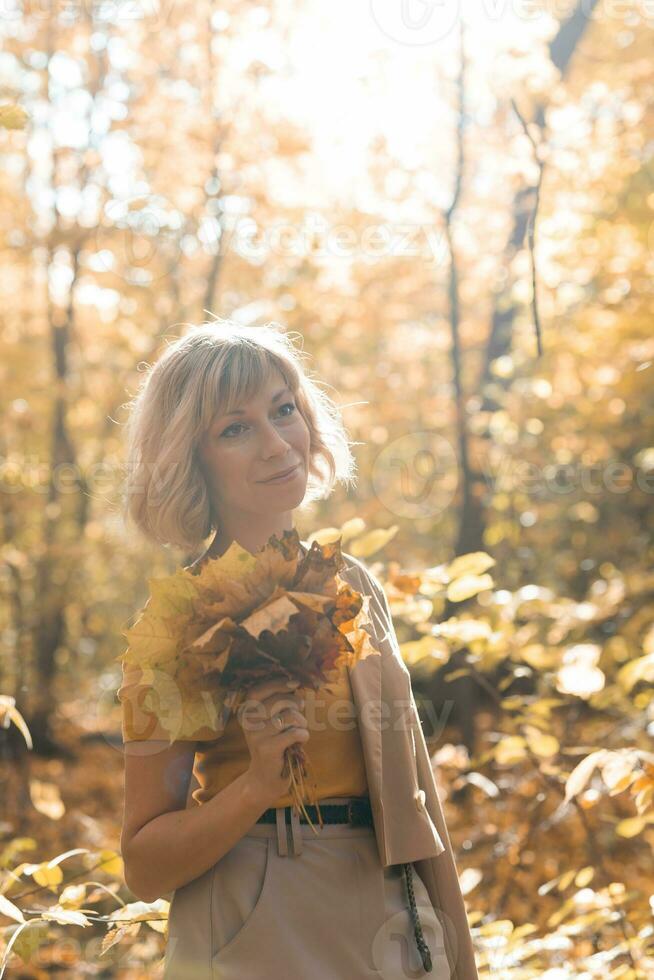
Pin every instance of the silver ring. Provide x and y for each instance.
(278, 721)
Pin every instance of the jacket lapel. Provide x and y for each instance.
(381, 690)
(407, 813)
(365, 681)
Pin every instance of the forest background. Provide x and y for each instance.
(454, 207)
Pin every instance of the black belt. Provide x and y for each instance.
(358, 813)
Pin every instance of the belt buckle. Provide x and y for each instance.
(350, 811)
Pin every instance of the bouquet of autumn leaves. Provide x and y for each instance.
(206, 637)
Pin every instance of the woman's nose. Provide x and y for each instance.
(273, 442)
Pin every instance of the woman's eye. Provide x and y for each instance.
(236, 425)
(229, 428)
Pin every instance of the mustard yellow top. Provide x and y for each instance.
(335, 754)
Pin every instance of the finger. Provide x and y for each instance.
(292, 735)
(267, 688)
(289, 719)
(267, 706)
(277, 702)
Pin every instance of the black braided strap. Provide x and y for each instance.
(423, 948)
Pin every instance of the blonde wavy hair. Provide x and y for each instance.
(207, 371)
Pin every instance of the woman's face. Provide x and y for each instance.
(242, 450)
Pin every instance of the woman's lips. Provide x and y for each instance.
(281, 479)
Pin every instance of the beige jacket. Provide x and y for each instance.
(408, 818)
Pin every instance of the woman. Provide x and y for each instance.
(229, 435)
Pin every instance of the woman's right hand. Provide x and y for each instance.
(267, 742)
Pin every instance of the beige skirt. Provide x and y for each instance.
(287, 904)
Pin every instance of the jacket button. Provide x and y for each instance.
(420, 799)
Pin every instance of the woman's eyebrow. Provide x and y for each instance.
(275, 398)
